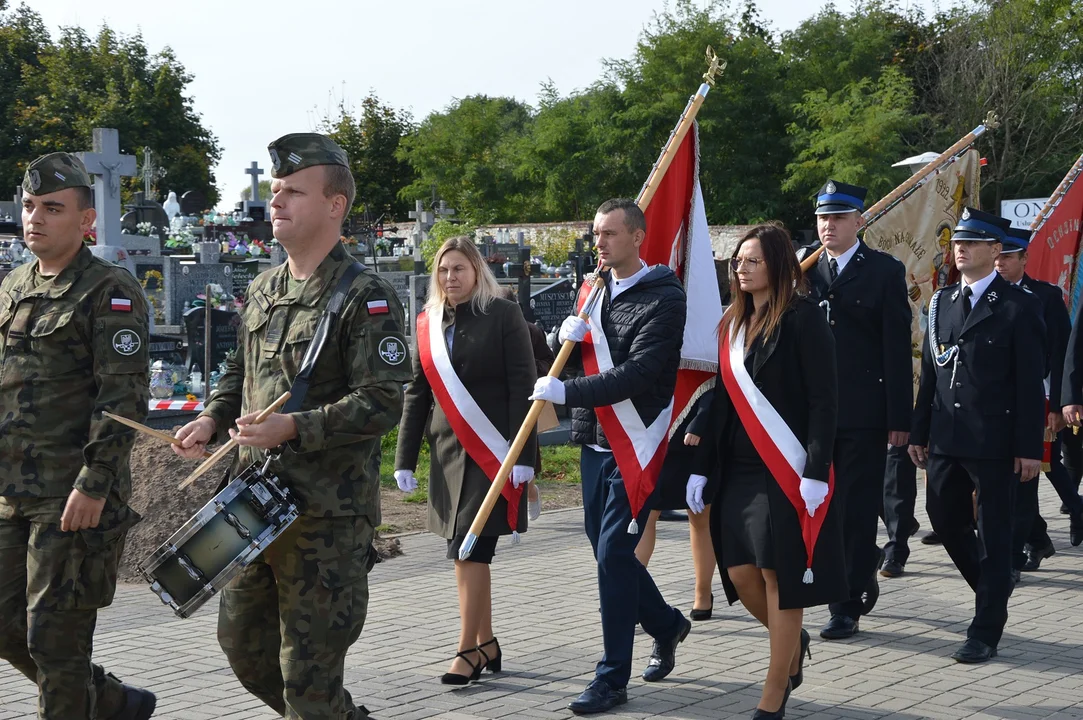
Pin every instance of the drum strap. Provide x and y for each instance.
(323, 331)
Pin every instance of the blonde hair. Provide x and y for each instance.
(486, 289)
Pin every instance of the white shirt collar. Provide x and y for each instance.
(616, 287)
(979, 287)
(845, 258)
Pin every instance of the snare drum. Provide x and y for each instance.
(219, 541)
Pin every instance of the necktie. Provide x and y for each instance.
(967, 305)
(834, 265)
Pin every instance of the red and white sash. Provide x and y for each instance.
(778, 447)
(639, 449)
(473, 429)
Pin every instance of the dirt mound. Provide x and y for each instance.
(156, 473)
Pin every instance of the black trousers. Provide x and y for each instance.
(1072, 451)
(859, 459)
(984, 560)
(1062, 481)
(900, 498)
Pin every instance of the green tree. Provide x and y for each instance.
(853, 135)
(467, 155)
(77, 83)
(22, 39)
(372, 139)
(264, 191)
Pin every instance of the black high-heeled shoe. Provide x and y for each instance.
(475, 670)
(777, 714)
(704, 614)
(799, 677)
(492, 664)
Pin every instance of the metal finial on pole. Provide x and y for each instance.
(992, 122)
(714, 66)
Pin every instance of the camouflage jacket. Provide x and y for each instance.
(71, 346)
(355, 394)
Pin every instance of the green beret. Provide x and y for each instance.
(298, 151)
(55, 172)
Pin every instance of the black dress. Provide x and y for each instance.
(673, 479)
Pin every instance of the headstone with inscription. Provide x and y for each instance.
(400, 281)
(552, 304)
(169, 350)
(243, 275)
(224, 333)
(184, 279)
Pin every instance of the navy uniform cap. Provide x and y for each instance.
(835, 198)
(981, 226)
(1016, 240)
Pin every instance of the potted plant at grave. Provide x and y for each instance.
(179, 243)
(383, 247)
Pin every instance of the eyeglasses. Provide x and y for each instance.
(752, 263)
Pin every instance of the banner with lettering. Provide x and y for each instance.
(918, 231)
(1054, 254)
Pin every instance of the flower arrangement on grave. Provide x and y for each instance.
(153, 282)
(144, 228)
(383, 247)
(90, 237)
(349, 241)
(256, 248)
(180, 240)
(219, 300)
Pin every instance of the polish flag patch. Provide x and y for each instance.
(378, 307)
(120, 305)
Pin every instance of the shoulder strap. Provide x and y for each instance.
(323, 331)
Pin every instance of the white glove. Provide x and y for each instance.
(574, 329)
(813, 492)
(548, 388)
(521, 475)
(693, 493)
(406, 480)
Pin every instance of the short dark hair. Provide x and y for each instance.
(84, 198)
(633, 216)
(338, 180)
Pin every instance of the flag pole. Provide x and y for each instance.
(1058, 194)
(654, 180)
(915, 181)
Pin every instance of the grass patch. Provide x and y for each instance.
(560, 466)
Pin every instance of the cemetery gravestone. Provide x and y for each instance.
(169, 350)
(224, 331)
(552, 304)
(243, 275)
(184, 279)
(400, 281)
(419, 293)
(107, 166)
(193, 202)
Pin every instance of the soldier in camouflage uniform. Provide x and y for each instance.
(73, 343)
(313, 581)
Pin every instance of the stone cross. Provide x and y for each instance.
(255, 171)
(151, 172)
(107, 166)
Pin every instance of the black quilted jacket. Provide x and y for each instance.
(645, 329)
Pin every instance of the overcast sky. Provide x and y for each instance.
(266, 68)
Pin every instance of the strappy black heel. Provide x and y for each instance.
(475, 670)
(492, 664)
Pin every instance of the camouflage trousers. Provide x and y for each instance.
(287, 620)
(52, 584)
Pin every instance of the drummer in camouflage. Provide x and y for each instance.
(312, 582)
(73, 343)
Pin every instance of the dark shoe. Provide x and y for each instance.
(777, 714)
(796, 680)
(1075, 531)
(930, 538)
(664, 654)
(1036, 555)
(492, 664)
(598, 697)
(839, 627)
(1017, 577)
(914, 528)
(974, 651)
(1064, 509)
(672, 516)
(892, 569)
(870, 596)
(698, 614)
(139, 704)
(475, 672)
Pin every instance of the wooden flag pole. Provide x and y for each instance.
(1055, 198)
(226, 447)
(654, 180)
(912, 183)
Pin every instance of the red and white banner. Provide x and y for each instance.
(778, 447)
(677, 236)
(1053, 254)
(184, 405)
(479, 437)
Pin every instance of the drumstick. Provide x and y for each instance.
(224, 450)
(164, 437)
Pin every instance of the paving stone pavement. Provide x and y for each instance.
(545, 607)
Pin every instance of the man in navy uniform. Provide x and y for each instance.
(1030, 541)
(863, 294)
(978, 419)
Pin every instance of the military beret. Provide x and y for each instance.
(55, 172)
(298, 151)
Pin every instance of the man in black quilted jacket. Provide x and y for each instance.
(631, 371)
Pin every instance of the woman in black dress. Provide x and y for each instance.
(671, 496)
(773, 427)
